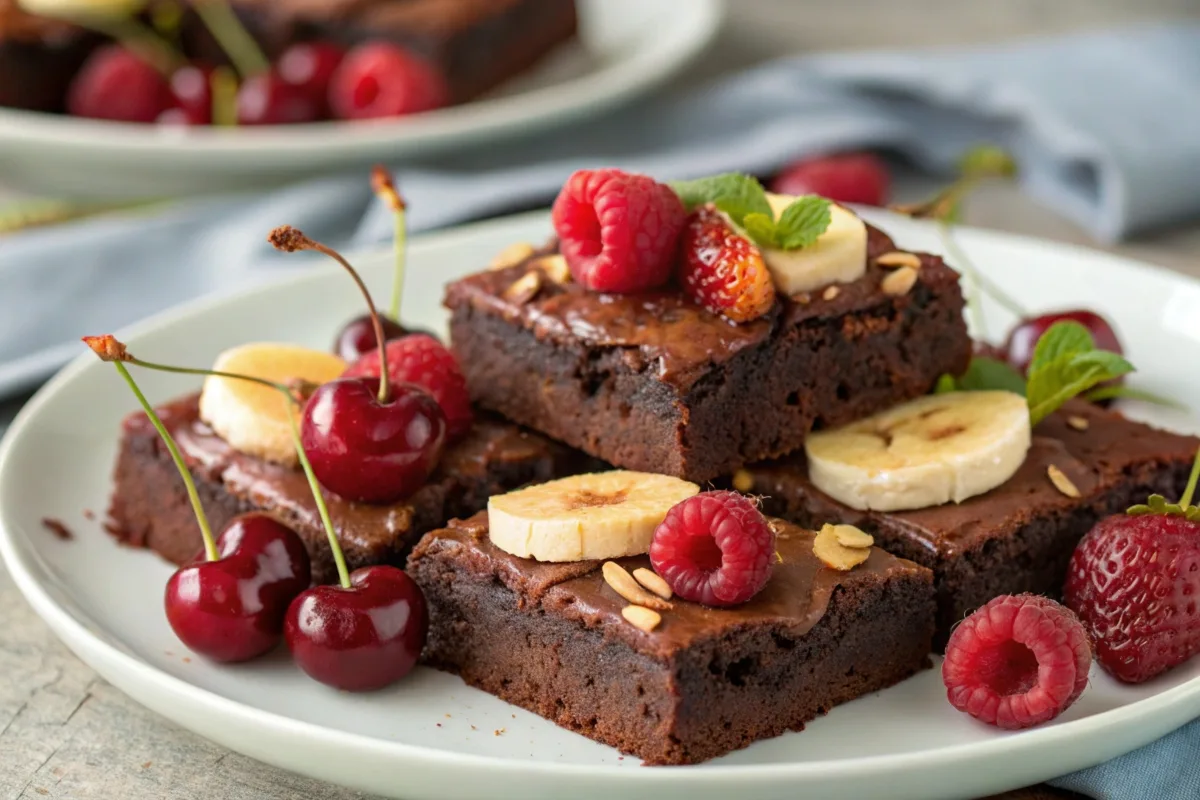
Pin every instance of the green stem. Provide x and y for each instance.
(232, 36)
(1186, 500)
(139, 38)
(210, 544)
(401, 244)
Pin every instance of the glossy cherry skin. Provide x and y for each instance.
(232, 609)
(361, 638)
(1024, 337)
(191, 90)
(267, 99)
(378, 79)
(845, 178)
(309, 66)
(115, 84)
(369, 451)
(357, 337)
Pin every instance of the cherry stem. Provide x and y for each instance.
(137, 37)
(223, 86)
(1190, 491)
(384, 187)
(232, 36)
(210, 544)
(322, 509)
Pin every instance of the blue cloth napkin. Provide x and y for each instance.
(1168, 769)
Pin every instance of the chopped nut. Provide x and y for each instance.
(653, 581)
(623, 584)
(499, 731)
(898, 258)
(743, 481)
(512, 255)
(803, 298)
(1062, 482)
(524, 288)
(850, 536)
(641, 617)
(899, 282)
(834, 554)
(1078, 423)
(830, 293)
(555, 267)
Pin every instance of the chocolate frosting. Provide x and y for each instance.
(1094, 459)
(665, 330)
(796, 596)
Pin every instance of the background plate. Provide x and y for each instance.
(432, 737)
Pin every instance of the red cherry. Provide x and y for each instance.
(357, 337)
(1024, 337)
(846, 178)
(378, 79)
(267, 99)
(115, 84)
(309, 66)
(192, 93)
(232, 609)
(361, 638)
(370, 451)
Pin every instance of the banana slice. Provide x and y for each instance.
(252, 418)
(838, 256)
(937, 449)
(598, 516)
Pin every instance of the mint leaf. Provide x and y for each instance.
(761, 228)
(803, 222)
(1059, 339)
(1070, 374)
(987, 161)
(945, 385)
(1119, 392)
(735, 194)
(990, 373)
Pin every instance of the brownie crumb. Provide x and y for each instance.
(58, 528)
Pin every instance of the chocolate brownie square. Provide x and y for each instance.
(551, 638)
(653, 382)
(1019, 536)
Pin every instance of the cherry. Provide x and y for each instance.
(1024, 337)
(357, 337)
(844, 178)
(309, 66)
(115, 84)
(232, 609)
(267, 99)
(378, 79)
(362, 636)
(193, 100)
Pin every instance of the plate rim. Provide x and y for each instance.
(19, 553)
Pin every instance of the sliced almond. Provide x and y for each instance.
(743, 481)
(623, 584)
(653, 581)
(850, 536)
(524, 288)
(1062, 482)
(1078, 423)
(899, 282)
(641, 617)
(830, 293)
(899, 258)
(836, 555)
(555, 267)
(512, 255)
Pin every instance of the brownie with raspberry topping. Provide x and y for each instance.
(150, 508)
(706, 681)
(1019, 536)
(653, 382)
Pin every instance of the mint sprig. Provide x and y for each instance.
(1066, 363)
(983, 374)
(744, 200)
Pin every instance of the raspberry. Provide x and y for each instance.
(1135, 583)
(846, 178)
(618, 232)
(423, 360)
(1018, 661)
(722, 270)
(715, 548)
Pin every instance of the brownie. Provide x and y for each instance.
(38, 58)
(150, 507)
(550, 638)
(654, 382)
(1019, 536)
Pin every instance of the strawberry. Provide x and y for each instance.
(723, 270)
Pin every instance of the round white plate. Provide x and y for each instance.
(626, 47)
(432, 737)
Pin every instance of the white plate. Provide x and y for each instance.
(627, 47)
(431, 736)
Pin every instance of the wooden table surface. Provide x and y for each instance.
(65, 733)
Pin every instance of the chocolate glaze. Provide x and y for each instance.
(797, 594)
(665, 330)
(1094, 459)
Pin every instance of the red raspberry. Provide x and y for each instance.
(1135, 583)
(722, 270)
(715, 548)
(423, 360)
(1018, 661)
(378, 79)
(846, 178)
(618, 232)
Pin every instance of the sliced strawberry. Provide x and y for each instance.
(723, 270)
